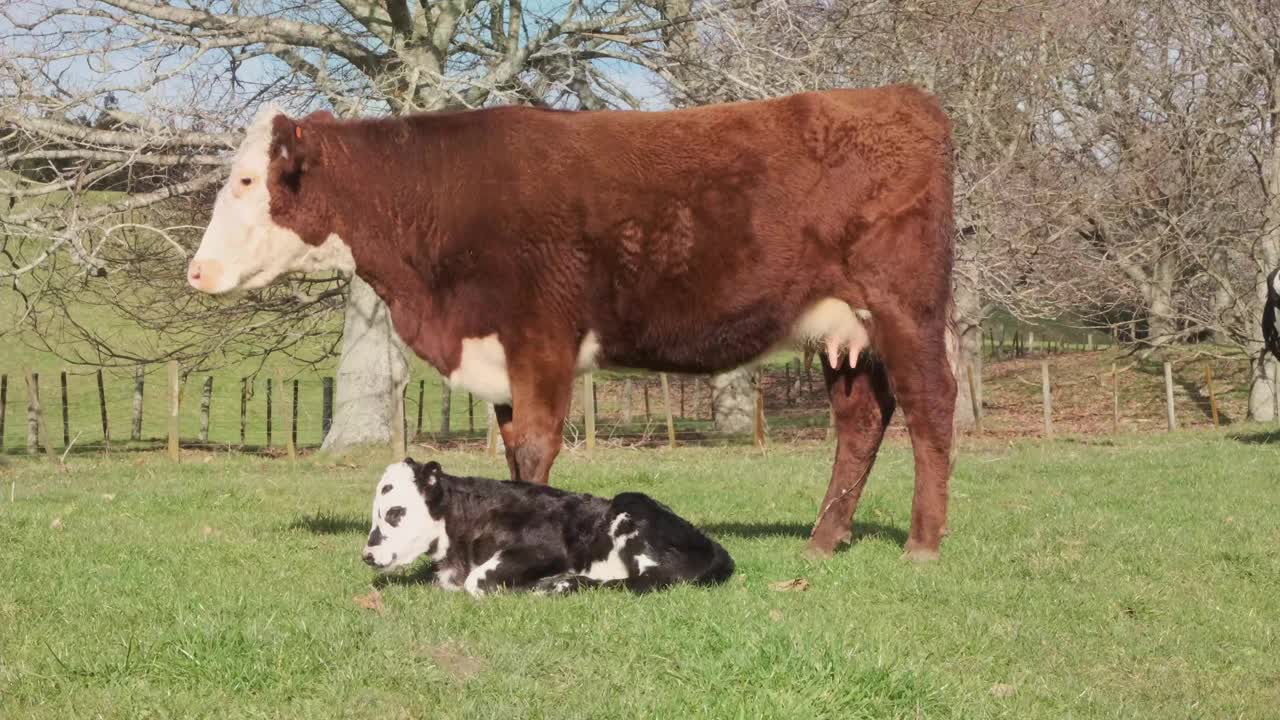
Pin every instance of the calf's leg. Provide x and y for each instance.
(863, 405)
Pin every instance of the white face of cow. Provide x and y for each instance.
(403, 528)
(243, 248)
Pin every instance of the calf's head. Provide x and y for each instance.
(404, 527)
(271, 216)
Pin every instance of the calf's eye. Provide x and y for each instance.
(394, 515)
(246, 181)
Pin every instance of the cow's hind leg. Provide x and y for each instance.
(920, 372)
(862, 404)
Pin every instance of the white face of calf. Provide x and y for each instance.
(403, 527)
(243, 248)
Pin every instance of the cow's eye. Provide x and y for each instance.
(246, 181)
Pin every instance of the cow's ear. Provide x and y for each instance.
(292, 152)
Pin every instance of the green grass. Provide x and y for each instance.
(1126, 578)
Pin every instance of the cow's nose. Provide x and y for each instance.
(368, 560)
(204, 274)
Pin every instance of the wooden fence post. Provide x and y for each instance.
(1168, 395)
(973, 400)
(1089, 343)
(1115, 399)
(647, 414)
(399, 444)
(293, 417)
(174, 395)
(36, 419)
(33, 409)
(4, 406)
(471, 412)
(682, 413)
(757, 434)
(270, 388)
(66, 418)
(326, 407)
(491, 430)
(1275, 387)
(666, 405)
(626, 402)
(1213, 399)
(1047, 398)
(206, 398)
(1031, 342)
(244, 406)
(422, 393)
(287, 425)
(589, 409)
(446, 406)
(102, 406)
(139, 378)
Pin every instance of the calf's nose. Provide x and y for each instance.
(368, 560)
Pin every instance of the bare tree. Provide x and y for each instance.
(183, 77)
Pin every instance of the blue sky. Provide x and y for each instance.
(86, 72)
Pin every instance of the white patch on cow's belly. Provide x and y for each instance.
(479, 573)
(482, 370)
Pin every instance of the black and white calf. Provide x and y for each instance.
(484, 535)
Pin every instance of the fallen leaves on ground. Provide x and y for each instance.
(56, 524)
(372, 601)
(1002, 690)
(792, 585)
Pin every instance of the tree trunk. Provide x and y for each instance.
(967, 316)
(734, 396)
(1261, 403)
(1161, 329)
(372, 374)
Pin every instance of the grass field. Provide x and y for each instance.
(1134, 577)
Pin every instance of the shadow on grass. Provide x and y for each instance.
(422, 574)
(325, 523)
(861, 530)
(1266, 437)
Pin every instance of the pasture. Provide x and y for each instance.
(1128, 577)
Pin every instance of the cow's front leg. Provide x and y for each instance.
(541, 388)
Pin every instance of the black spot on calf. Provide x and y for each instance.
(395, 515)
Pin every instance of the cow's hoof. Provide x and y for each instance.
(921, 554)
(817, 552)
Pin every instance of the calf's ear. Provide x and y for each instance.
(427, 474)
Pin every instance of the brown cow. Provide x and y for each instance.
(516, 247)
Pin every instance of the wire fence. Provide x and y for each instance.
(87, 409)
